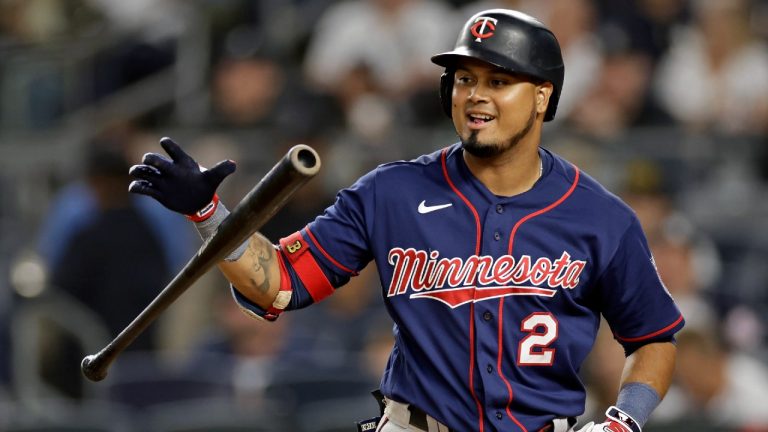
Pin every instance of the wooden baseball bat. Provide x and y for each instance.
(272, 192)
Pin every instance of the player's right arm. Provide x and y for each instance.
(266, 279)
(256, 274)
(182, 186)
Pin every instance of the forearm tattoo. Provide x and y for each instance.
(262, 255)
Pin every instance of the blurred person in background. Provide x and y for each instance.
(645, 188)
(365, 139)
(271, 18)
(719, 387)
(79, 202)
(31, 75)
(258, 99)
(141, 40)
(245, 90)
(373, 57)
(249, 353)
(40, 22)
(575, 24)
(254, 86)
(715, 75)
(148, 20)
(103, 248)
(649, 25)
(620, 99)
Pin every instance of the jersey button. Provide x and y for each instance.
(499, 208)
(497, 236)
(487, 316)
(498, 415)
(489, 368)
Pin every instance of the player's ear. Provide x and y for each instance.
(543, 93)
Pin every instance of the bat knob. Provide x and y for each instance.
(92, 368)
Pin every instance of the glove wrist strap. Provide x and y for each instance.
(205, 212)
(616, 415)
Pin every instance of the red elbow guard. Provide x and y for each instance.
(296, 249)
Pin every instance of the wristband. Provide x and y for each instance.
(208, 226)
(638, 400)
(205, 212)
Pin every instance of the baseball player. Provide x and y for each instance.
(496, 256)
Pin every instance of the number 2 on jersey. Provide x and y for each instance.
(542, 331)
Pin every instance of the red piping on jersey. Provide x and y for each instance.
(544, 210)
(650, 335)
(501, 300)
(501, 374)
(480, 413)
(327, 255)
(463, 198)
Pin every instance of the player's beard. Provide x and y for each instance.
(488, 150)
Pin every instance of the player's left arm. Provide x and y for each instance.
(644, 318)
(651, 365)
(645, 380)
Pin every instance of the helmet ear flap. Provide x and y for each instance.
(446, 91)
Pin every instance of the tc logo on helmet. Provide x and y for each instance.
(483, 28)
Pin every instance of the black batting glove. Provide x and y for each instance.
(179, 183)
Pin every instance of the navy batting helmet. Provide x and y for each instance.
(511, 40)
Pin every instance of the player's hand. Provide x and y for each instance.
(178, 183)
(616, 421)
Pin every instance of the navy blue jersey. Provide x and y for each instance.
(496, 300)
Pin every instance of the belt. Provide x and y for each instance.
(408, 415)
(418, 418)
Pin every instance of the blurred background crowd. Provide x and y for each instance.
(664, 101)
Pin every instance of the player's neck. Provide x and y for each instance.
(508, 174)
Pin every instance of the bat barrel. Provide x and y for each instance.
(261, 203)
(304, 159)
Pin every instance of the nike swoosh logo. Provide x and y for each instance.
(424, 208)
